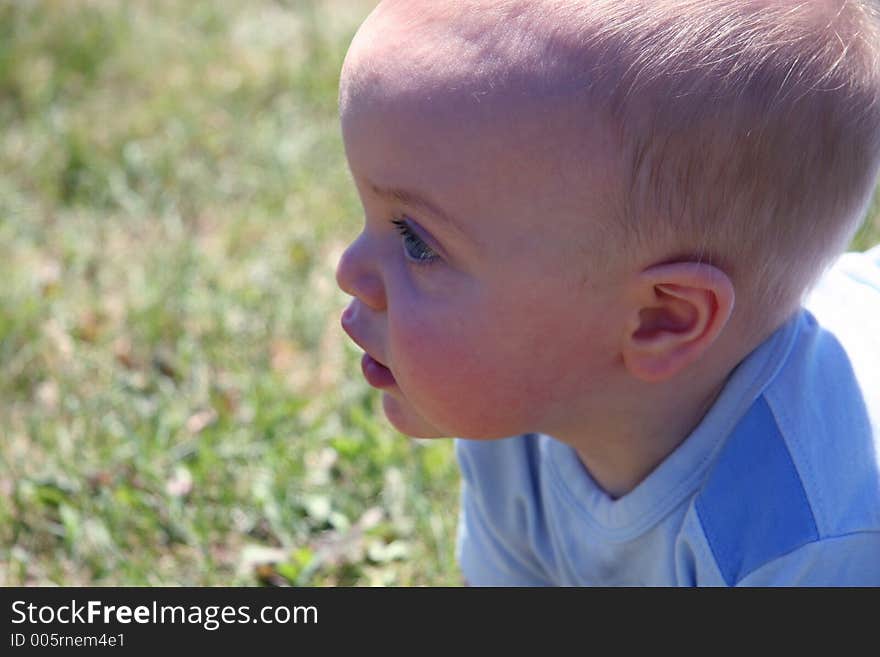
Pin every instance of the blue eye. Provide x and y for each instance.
(414, 246)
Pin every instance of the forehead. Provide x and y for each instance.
(440, 103)
(411, 41)
(477, 50)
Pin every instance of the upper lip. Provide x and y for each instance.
(354, 338)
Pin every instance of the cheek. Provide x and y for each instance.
(431, 353)
(465, 370)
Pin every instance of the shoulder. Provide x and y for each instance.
(502, 477)
(502, 534)
(796, 482)
(781, 486)
(845, 306)
(517, 456)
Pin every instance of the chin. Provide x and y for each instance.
(410, 422)
(407, 421)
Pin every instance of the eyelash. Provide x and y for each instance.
(414, 246)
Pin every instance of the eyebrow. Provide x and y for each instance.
(417, 200)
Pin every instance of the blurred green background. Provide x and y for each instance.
(177, 403)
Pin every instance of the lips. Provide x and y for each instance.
(376, 373)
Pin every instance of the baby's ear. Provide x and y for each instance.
(678, 311)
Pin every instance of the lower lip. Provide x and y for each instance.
(376, 374)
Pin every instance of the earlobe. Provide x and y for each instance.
(678, 312)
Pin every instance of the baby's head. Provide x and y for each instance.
(563, 198)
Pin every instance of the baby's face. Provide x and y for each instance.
(471, 298)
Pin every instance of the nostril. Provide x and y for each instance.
(347, 315)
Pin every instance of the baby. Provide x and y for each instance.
(590, 229)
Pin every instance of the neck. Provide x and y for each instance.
(640, 441)
(621, 445)
(632, 438)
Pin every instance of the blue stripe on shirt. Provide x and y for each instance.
(753, 507)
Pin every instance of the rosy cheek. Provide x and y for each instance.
(414, 344)
(426, 350)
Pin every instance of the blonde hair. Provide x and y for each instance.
(748, 130)
(751, 129)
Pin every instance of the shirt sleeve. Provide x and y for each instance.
(484, 557)
(850, 560)
(493, 549)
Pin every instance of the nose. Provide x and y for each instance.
(357, 274)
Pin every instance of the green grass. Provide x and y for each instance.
(177, 403)
(869, 233)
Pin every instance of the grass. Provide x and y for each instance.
(869, 234)
(177, 403)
